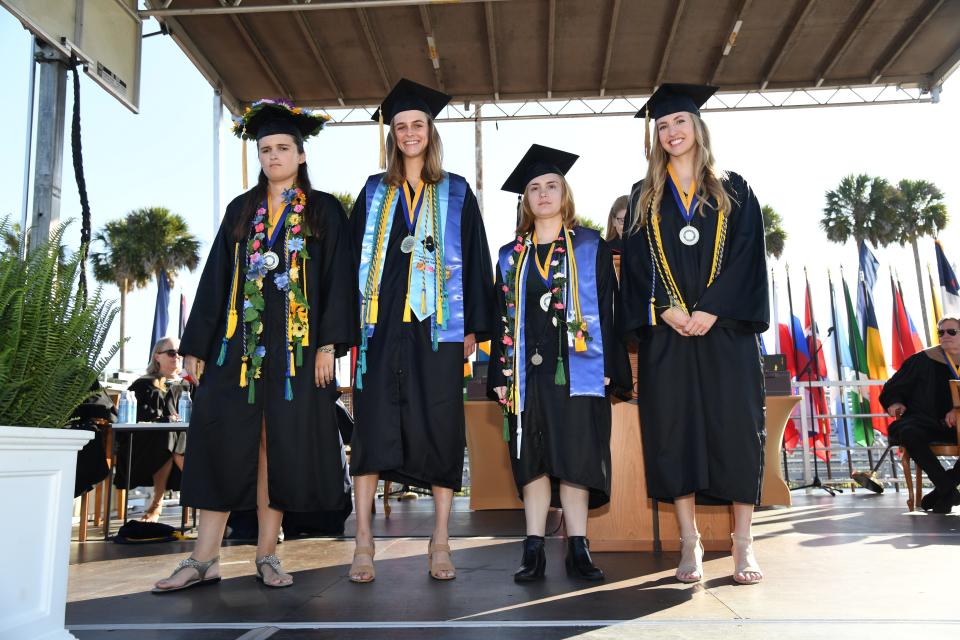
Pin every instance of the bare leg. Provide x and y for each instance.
(574, 499)
(209, 536)
(443, 501)
(742, 528)
(364, 491)
(160, 477)
(536, 505)
(268, 518)
(178, 460)
(685, 508)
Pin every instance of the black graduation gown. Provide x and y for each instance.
(701, 398)
(409, 424)
(303, 444)
(567, 438)
(151, 450)
(922, 385)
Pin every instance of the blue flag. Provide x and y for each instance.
(161, 314)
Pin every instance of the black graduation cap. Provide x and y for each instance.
(270, 117)
(408, 95)
(671, 98)
(537, 161)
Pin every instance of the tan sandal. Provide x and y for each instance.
(438, 566)
(358, 567)
(273, 562)
(191, 563)
(691, 560)
(744, 561)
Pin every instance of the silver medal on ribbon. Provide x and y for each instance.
(545, 301)
(536, 359)
(408, 244)
(689, 235)
(271, 260)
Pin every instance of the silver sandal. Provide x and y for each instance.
(200, 567)
(274, 563)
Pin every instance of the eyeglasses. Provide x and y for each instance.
(169, 352)
(949, 332)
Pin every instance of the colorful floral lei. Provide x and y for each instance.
(240, 124)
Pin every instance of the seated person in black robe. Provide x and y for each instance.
(918, 396)
(555, 360)
(155, 453)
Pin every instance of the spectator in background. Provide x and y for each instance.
(618, 213)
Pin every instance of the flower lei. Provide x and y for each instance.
(240, 124)
(290, 281)
(512, 288)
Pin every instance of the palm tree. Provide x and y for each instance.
(861, 207)
(346, 201)
(773, 231)
(148, 243)
(922, 212)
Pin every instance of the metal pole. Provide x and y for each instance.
(478, 144)
(28, 151)
(804, 425)
(217, 117)
(840, 387)
(48, 172)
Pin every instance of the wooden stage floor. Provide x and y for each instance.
(853, 566)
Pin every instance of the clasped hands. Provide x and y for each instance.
(897, 409)
(696, 324)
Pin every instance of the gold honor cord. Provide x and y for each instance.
(423, 291)
(373, 277)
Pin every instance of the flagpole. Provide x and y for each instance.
(804, 434)
(836, 352)
(896, 319)
(814, 365)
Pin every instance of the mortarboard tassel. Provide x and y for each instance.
(646, 135)
(383, 144)
(243, 161)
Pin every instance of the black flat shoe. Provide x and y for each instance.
(534, 562)
(579, 563)
(946, 503)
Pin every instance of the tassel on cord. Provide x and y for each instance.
(383, 144)
(288, 391)
(231, 323)
(243, 161)
(579, 344)
(251, 394)
(300, 354)
(223, 352)
(243, 372)
(646, 135)
(423, 302)
(560, 377)
(406, 309)
(374, 309)
(652, 314)
(293, 370)
(506, 428)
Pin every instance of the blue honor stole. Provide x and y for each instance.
(422, 283)
(586, 367)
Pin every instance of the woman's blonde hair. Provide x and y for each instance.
(620, 203)
(706, 173)
(568, 211)
(432, 163)
(153, 368)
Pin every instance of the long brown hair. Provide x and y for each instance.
(257, 195)
(620, 203)
(567, 209)
(432, 172)
(706, 173)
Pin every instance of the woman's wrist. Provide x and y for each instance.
(327, 348)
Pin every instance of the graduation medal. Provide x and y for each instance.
(545, 301)
(408, 244)
(536, 359)
(411, 203)
(689, 235)
(271, 260)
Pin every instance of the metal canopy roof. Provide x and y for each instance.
(333, 54)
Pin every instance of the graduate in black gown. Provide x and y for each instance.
(157, 455)
(918, 396)
(425, 279)
(555, 360)
(615, 220)
(694, 286)
(275, 305)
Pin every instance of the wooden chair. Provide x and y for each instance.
(915, 485)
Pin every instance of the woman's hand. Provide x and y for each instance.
(677, 319)
(323, 366)
(951, 418)
(897, 409)
(190, 369)
(469, 344)
(700, 323)
(501, 392)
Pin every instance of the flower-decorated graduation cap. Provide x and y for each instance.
(537, 161)
(407, 95)
(671, 98)
(269, 117)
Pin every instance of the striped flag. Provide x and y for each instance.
(876, 362)
(906, 340)
(949, 287)
(862, 428)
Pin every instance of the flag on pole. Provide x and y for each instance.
(862, 428)
(876, 362)
(816, 370)
(935, 305)
(161, 313)
(183, 315)
(906, 340)
(949, 287)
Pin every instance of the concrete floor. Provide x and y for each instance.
(853, 566)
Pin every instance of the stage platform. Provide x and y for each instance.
(853, 566)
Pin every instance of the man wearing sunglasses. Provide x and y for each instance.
(918, 396)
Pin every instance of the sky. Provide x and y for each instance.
(163, 156)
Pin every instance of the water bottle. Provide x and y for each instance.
(185, 406)
(122, 409)
(131, 407)
(127, 410)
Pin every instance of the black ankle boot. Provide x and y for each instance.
(579, 563)
(534, 562)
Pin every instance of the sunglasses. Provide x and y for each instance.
(949, 332)
(170, 352)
